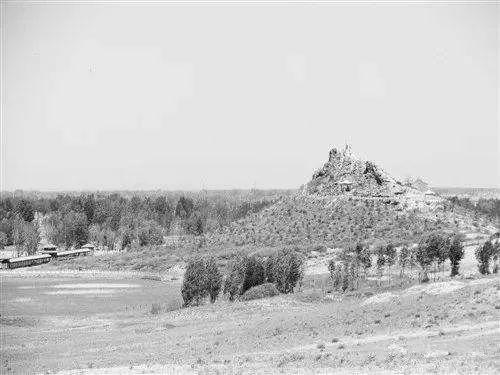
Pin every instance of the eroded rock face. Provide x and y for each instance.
(344, 173)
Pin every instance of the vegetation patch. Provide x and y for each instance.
(260, 291)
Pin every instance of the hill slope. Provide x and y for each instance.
(347, 200)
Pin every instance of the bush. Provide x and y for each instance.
(213, 278)
(194, 285)
(202, 278)
(255, 273)
(483, 256)
(456, 253)
(285, 268)
(244, 273)
(260, 291)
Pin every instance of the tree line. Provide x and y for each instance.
(350, 268)
(114, 221)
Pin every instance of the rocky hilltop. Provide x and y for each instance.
(347, 200)
(345, 174)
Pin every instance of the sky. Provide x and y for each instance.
(117, 97)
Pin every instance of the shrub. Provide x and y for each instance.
(202, 278)
(483, 256)
(244, 273)
(255, 273)
(456, 253)
(260, 291)
(214, 278)
(194, 285)
(235, 278)
(286, 269)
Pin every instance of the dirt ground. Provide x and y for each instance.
(81, 322)
(87, 325)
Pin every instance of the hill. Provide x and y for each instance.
(347, 200)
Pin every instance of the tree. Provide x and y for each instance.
(483, 256)
(363, 257)
(431, 248)
(194, 224)
(456, 253)
(380, 252)
(31, 239)
(202, 278)
(3, 240)
(25, 209)
(149, 232)
(404, 258)
(245, 272)
(390, 254)
(424, 259)
(89, 206)
(25, 236)
(214, 278)
(287, 269)
(255, 273)
(194, 285)
(443, 252)
(75, 229)
(6, 226)
(184, 207)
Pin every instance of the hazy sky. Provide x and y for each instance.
(170, 97)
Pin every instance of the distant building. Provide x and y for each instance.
(345, 184)
(49, 247)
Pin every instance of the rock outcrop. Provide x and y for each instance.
(345, 174)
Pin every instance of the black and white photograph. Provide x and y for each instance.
(249, 187)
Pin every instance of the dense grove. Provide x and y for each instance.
(114, 221)
(248, 276)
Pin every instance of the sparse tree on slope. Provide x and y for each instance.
(483, 256)
(456, 253)
(194, 285)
